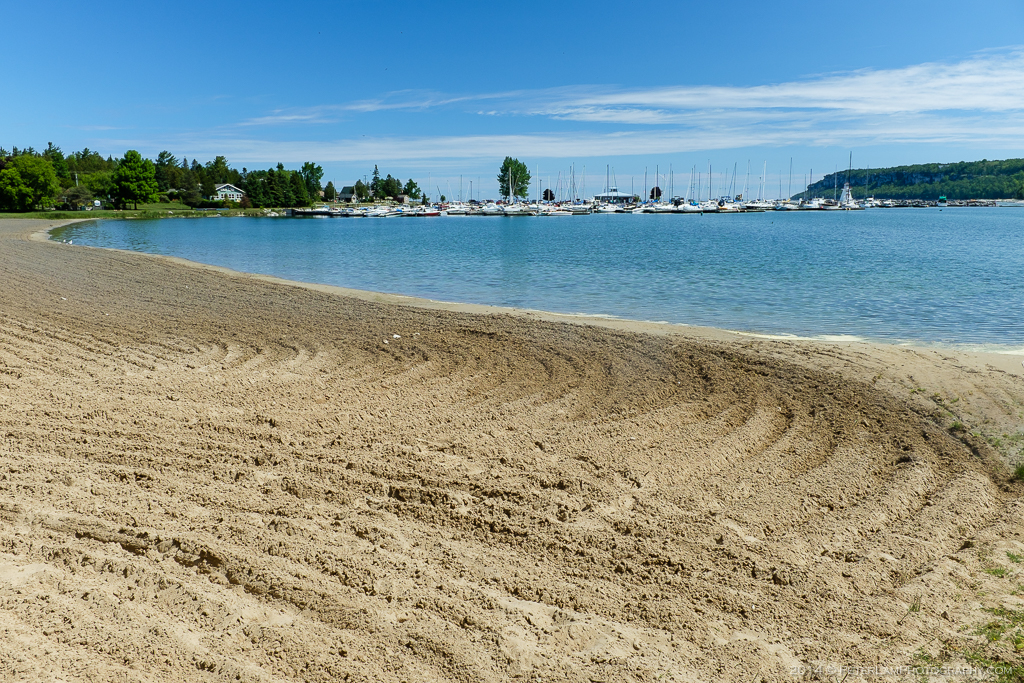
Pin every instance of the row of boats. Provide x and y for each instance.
(724, 205)
(576, 208)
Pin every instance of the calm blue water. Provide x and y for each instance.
(951, 277)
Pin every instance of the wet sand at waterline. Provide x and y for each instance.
(208, 475)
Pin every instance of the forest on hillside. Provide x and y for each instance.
(961, 180)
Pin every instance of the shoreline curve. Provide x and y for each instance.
(1010, 360)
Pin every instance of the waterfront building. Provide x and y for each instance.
(227, 192)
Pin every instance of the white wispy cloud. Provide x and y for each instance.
(903, 129)
(401, 100)
(991, 81)
(977, 101)
(988, 82)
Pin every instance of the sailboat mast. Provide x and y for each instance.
(848, 171)
(790, 195)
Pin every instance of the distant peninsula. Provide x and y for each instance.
(961, 180)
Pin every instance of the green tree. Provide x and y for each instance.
(26, 182)
(55, 156)
(101, 183)
(411, 189)
(76, 196)
(330, 194)
(189, 191)
(275, 196)
(375, 182)
(88, 161)
(279, 187)
(166, 167)
(206, 183)
(311, 175)
(219, 172)
(135, 180)
(15, 195)
(362, 191)
(255, 187)
(513, 178)
(390, 187)
(300, 197)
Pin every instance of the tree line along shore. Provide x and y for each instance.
(962, 180)
(32, 180)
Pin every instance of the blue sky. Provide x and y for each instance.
(440, 90)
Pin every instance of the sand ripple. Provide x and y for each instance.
(211, 477)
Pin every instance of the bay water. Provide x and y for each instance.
(952, 277)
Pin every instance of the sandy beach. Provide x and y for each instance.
(207, 475)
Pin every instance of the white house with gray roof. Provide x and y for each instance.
(227, 192)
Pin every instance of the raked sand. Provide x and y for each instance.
(208, 475)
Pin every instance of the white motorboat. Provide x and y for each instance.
(517, 210)
(758, 205)
(421, 211)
